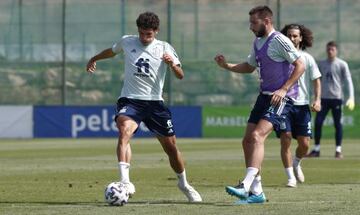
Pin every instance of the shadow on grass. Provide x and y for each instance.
(131, 203)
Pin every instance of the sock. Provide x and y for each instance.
(338, 149)
(317, 148)
(251, 172)
(290, 173)
(256, 187)
(296, 161)
(124, 172)
(182, 179)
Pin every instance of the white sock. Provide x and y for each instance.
(251, 172)
(317, 148)
(182, 179)
(256, 187)
(124, 172)
(296, 161)
(290, 173)
(338, 149)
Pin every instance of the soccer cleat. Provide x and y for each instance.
(238, 191)
(313, 154)
(252, 199)
(338, 155)
(190, 193)
(129, 187)
(299, 175)
(291, 183)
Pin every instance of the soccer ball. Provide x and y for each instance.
(116, 194)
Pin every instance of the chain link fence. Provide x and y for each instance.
(45, 44)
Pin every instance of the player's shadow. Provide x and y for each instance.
(132, 203)
(168, 202)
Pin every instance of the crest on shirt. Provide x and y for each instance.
(157, 51)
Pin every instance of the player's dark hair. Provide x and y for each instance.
(305, 33)
(148, 20)
(262, 12)
(331, 43)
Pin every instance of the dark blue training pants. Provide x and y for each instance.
(336, 109)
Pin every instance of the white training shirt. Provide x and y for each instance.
(144, 68)
(280, 49)
(311, 73)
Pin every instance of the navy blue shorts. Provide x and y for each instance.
(298, 122)
(275, 115)
(155, 115)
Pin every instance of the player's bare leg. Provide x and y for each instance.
(301, 151)
(246, 142)
(253, 145)
(128, 154)
(177, 164)
(126, 127)
(286, 157)
(258, 136)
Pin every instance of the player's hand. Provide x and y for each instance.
(278, 96)
(221, 61)
(350, 103)
(316, 106)
(91, 66)
(168, 59)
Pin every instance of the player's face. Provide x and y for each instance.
(146, 36)
(295, 37)
(331, 52)
(257, 26)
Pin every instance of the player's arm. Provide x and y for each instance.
(238, 68)
(91, 65)
(350, 102)
(294, 77)
(168, 59)
(316, 105)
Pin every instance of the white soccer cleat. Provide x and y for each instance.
(190, 193)
(299, 174)
(291, 183)
(129, 187)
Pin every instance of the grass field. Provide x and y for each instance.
(68, 176)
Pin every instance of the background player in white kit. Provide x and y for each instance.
(141, 96)
(299, 120)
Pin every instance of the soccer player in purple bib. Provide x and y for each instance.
(279, 67)
(141, 99)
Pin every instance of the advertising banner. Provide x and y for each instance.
(16, 122)
(98, 121)
(231, 122)
(224, 121)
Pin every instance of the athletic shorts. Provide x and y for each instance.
(275, 115)
(298, 122)
(155, 115)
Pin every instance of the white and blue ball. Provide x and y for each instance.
(116, 194)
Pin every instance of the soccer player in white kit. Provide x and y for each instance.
(299, 120)
(146, 59)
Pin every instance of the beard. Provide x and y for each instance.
(261, 31)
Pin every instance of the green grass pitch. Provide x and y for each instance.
(68, 176)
